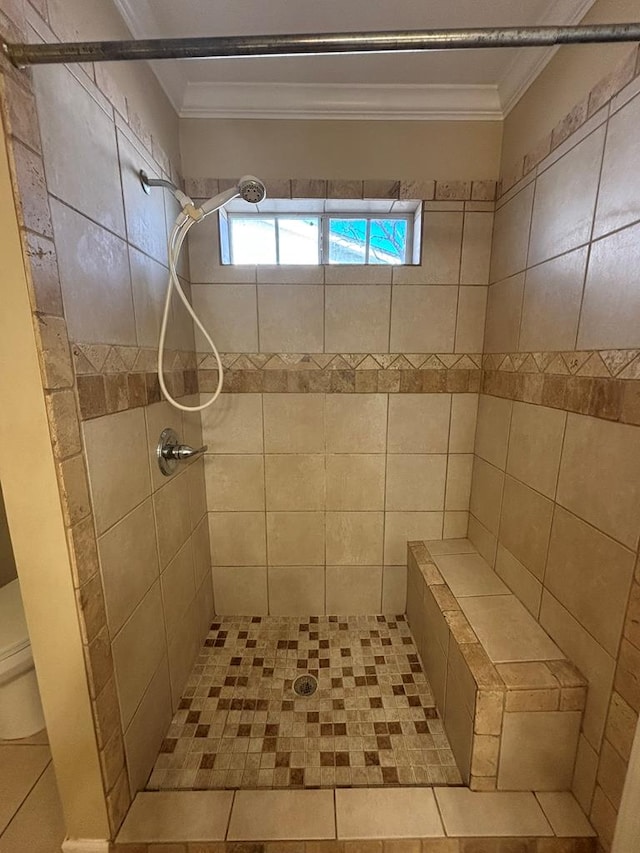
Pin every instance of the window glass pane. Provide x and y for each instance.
(347, 241)
(299, 240)
(388, 241)
(253, 240)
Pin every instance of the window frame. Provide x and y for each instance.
(324, 218)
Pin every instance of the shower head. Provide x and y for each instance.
(249, 188)
(252, 189)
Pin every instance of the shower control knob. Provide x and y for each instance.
(169, 451)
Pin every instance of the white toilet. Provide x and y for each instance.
(20, 707)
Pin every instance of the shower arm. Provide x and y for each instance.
(316, 44)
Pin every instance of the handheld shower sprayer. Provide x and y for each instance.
(250, 189)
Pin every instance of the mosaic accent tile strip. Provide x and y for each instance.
(622, 364)
(598, 97)
(342, 361)
(372, 720)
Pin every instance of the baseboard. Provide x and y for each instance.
(85, 845)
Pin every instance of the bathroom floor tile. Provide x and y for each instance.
(395, 813)
(371, 722)
(175, 816)
(278, 815)
(502, 813)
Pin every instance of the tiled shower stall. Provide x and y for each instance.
(489, 392)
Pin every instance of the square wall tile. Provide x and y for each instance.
(416, 481)
(296, 590)
(178, 587)
(487, 484)
(520, 580)
(387, 813)
(535, 445)
(235, 482)
(611, 300)
(462, 432)
(295, 538)
(476, 248)
(552, 299)
(419, 423)
(143, 738)
(423, 319)
(294, 423)
(356, 423)
(492, 433)
(357, 318)
(355, 481)
(173, 517)
(130, 542)
(591, 576)
(592, 660)
(354, 538)
(504, 310)
(459, 473)
(234, 424)
(138, 650)
(95, 279)
(117, 489)
(240, 590)
(600, 476)
(619, 188)
(511, 235)
(472, 308)
(565, 200)
(538, 750)
(295, 482)
(441, 246)
(525, 525)
(394, 590)
(354, 589)
(403, 527)
(75, 160)
(238, 538)
(144, 214)
(229, 312)
(291, 318)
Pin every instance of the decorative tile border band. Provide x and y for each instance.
(603, 92)
(342, 361)
(603, 364)
(322, 188)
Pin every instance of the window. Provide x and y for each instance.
(305, 234)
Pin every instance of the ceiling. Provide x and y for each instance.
(480, 84)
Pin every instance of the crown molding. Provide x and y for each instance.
(528, 63)
(341, 101)
(140, 19)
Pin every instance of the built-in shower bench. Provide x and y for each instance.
(511, 702)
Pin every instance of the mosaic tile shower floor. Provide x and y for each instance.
(372, 720)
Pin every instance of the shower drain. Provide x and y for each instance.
(305, 685)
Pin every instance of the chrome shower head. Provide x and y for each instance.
(252, 189)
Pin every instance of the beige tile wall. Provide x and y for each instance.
(312, 497)
(437, 306)
(154, 587)
(555, 503)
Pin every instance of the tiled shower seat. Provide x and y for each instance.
(511, 702)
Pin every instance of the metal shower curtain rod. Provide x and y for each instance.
(317, 44)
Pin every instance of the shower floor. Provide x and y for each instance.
(371, 721)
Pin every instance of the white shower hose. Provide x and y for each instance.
(183, 224)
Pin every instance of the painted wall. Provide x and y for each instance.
(341, 149)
